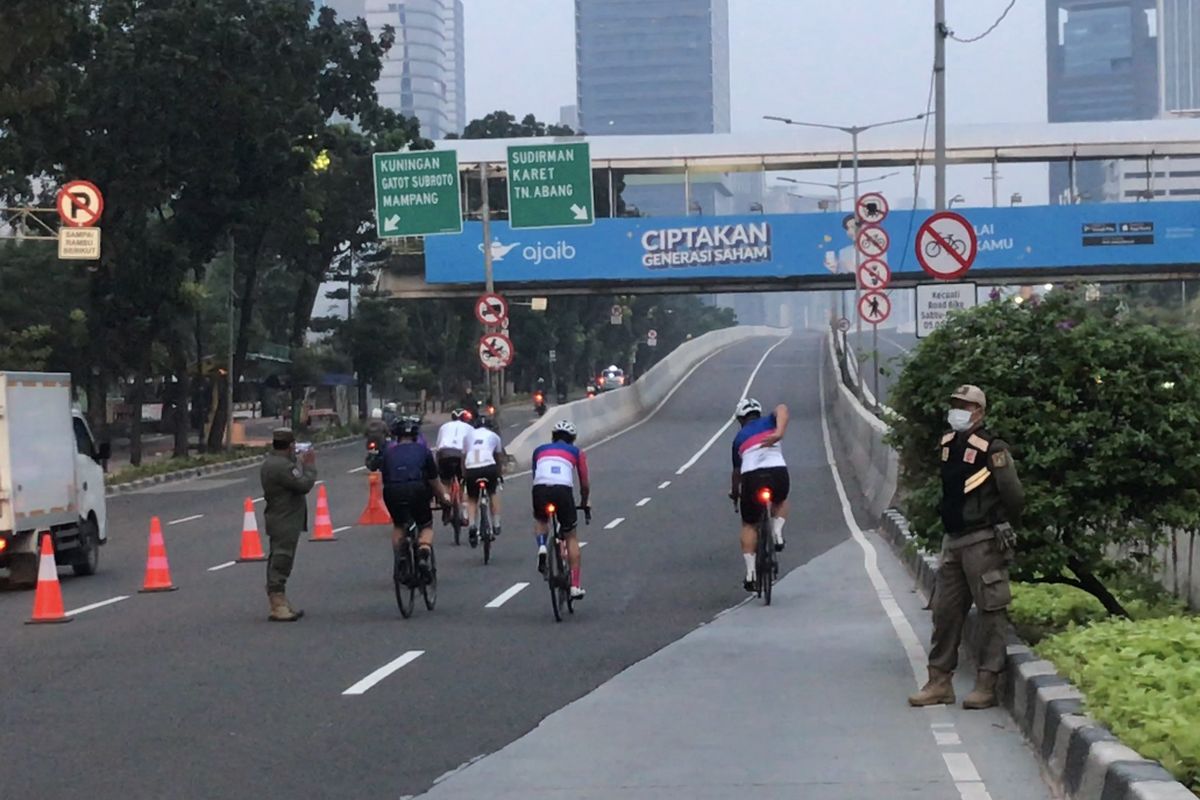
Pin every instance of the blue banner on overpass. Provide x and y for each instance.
(1135, 236)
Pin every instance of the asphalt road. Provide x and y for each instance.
(193, 694)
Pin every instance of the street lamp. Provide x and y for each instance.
(853, 131)
(695, 206)
(837, 187)
(1015, 199)
(958, 198)
(756, 207)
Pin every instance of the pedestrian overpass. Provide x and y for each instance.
(690, 251)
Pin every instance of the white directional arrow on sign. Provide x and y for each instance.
(579, 211)
(391, 223)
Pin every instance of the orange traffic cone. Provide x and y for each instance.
(251, 544)
(158, 572)
(323, 529)
(376, 512)
(47, 603)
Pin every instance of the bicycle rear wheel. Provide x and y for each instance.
(566, 578)
(429, 586)
(456, 511)
(553, 575)
(402, 576)
(485, 530)
(765, 559)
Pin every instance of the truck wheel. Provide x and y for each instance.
(88, 560)
(22, 570)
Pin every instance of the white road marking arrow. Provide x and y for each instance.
(391, 223)
(579, 211)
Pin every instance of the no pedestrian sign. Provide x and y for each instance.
(491, 309)
(417, 193)
(874, 307)
(550, 185)
(495, 351)
(946, 245)
(80, 204)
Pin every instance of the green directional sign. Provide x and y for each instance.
(417, 193)
(550, 185)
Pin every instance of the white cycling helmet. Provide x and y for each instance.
(376, 413)
(747, 406)
(567, 427)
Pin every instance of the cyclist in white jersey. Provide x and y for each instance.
(482, 462)
(451, 444)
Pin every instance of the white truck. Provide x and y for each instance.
(51, 477)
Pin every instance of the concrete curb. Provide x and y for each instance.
(1082, 758)
(210, 469)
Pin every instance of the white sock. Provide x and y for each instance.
(778, 530)
(495, 520)
(749, 559)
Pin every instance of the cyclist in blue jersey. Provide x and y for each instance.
(410, 482)
(758, 464)
(555, 466)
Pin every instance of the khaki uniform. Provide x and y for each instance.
(980, 490)
(285, 484)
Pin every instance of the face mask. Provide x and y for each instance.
(959, 419)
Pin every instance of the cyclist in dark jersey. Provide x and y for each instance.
(410, 482)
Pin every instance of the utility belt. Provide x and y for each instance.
(1002, 532)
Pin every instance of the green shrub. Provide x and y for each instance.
(162, 467)
(1142, 680)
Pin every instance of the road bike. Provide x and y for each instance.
(486, 534)
(455, 510)
(933, 248)
(558, 571)
(408, 578)
(766, 563)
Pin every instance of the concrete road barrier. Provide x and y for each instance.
(612, 411)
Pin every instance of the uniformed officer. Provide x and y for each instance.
(286, 481)
(981, 498)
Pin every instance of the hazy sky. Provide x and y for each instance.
(836, 61)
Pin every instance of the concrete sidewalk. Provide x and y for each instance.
(805, 699)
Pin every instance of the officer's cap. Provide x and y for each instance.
(970, 394)
(282, 437)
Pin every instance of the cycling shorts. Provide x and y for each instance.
(563, 498)
(489, 473)
(774, 478)
(409, 502)
(450, 467)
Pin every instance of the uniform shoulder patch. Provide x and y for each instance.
(1000, 459)
(945, 454)
(297, 471)
(969, 455)
(978, 442)
(947, 438)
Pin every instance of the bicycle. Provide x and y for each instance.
(766, 563)
(933, 248)
(408, 578)
(486, 534)
(456, 516)
(558, 573)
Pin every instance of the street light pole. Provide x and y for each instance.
(489, 282)
(940, 32)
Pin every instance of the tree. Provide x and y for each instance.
(1102, 413)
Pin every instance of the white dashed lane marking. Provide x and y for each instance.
(643, 502)
(94, 606)
(222, 566)
(387, 669)
(186, 519)
(506, 595)
(614, 523)
(664, 484)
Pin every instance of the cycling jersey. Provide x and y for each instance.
(481, 449)
(453, 436)
(749, 452)
(407, 463)
(556, 463)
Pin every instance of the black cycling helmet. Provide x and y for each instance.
(484, 421)
(406, 426)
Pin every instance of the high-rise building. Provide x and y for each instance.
(424, 74)
(652, 66)
(1179, 55)
(1101, 65)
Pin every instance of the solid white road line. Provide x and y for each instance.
(664, 484)
(185, 519)
(258, 500)
(893, 341)
(343, 528)
(962, 769)
(614, 523)
(356, 469)
(582, 545)
(387, 669)
(222, 566)
(94, 606)
(643, 502)
(506, 595)
(745, 391)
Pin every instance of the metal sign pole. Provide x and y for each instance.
(488, 278)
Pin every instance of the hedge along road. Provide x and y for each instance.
(215, 701)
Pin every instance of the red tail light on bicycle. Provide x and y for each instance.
(765, 496)
(550, 508)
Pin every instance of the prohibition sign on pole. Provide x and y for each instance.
(79, 204)
(874, 273)
(491, 309)
(843, 324)
(495, 351)
(872, 241)
(874, 307)
(946, 245)
(871, 208)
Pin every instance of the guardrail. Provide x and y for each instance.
(608, 413)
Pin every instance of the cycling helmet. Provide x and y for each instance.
(747, 406)
(485, 422)
(565, 428)
(391, 407)
(396, 428)
(465, 416)
(456, 414)
(376, 413)
(410, 426)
